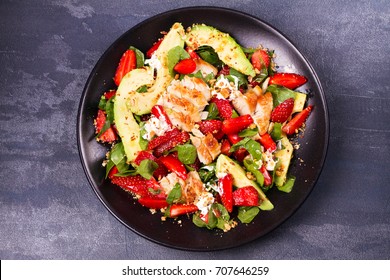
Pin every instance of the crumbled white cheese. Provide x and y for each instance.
(204, 202)
(221, 175)
(153, 62)
(269, 161)
(155, 126)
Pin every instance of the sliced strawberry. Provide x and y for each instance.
(109, 94)
(169, 140)
(211, 126)
(127, 63)
(225, 70)
(260, 59)
(234, 138)
(283, 111)
(224, 107)
(225, 147)
(225, 189)
(153, 203)
(113, 171)
(266, 175)
(161, 170)
(180, 209)
(246, 196)
(267, 142)
(137, 184)
(155, 46)
(174, 165)
(185, 66)
(107, 136)
(192, 53)
(159, 112)
(288, 80)
(297, 121)
(155, 142)
(235, 125)
(240, 154)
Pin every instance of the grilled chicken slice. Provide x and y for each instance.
(207, 148)
(262, 112)
(185, 100)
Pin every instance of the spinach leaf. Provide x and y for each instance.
(146, 168)
(139, 56)
(247, 213)
(287, 187)
(175, 194)
(252, 146)
(186, 153)
(280, 93)
(209, 55)
(174, 56)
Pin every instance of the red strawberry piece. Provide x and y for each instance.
(155, 142)
(169, 140)
(109, 94)
(211, 126)
(153, 203)
(297, 121)
(107, 136)
(127, 63)
(135, 184)
(113, 171)
(246, 196)
(266, 175)
(161, 170)
(235, 125)
(192, 53)
(240, 154)
(260, 59)
(225, 189)
(225, 70)
(180, 209)
(283, 111)
(174, 165)
(185, 66)
(267, 142)
(155, 46)
(225, 147)
(288, 80)
(159, 112)
(234, 138)
(224, 107)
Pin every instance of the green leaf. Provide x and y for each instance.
(207, 172)
(276, 133)
(246, 214)
(186, 153)
(280, 93)
(143, 143)
(142, 89)
(102, 102)
(109, 166)
(287, 187)
(146, 168)
(209, 55)
(213, 113)
(253, 167)
(117, 153)
(175, 194)
(242, 79)
(248, 132)
(252, 146)
(174, 56)
(139, 56)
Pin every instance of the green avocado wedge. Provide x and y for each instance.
(227, 165)
(224, 45)
(142, 103)
(127, 127)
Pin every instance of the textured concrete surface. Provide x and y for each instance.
(47, 208)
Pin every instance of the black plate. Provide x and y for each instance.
(249, 32)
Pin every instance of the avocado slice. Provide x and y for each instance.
(142, 103)
(227, 165)
(284, 157)
(299, 102)
(127, 127)
(224, 45)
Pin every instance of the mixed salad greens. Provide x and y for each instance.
(201, 126)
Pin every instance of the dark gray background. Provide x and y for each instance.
(49, 211)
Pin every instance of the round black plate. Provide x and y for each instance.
(308, 160)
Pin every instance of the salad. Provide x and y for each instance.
(201, 126)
